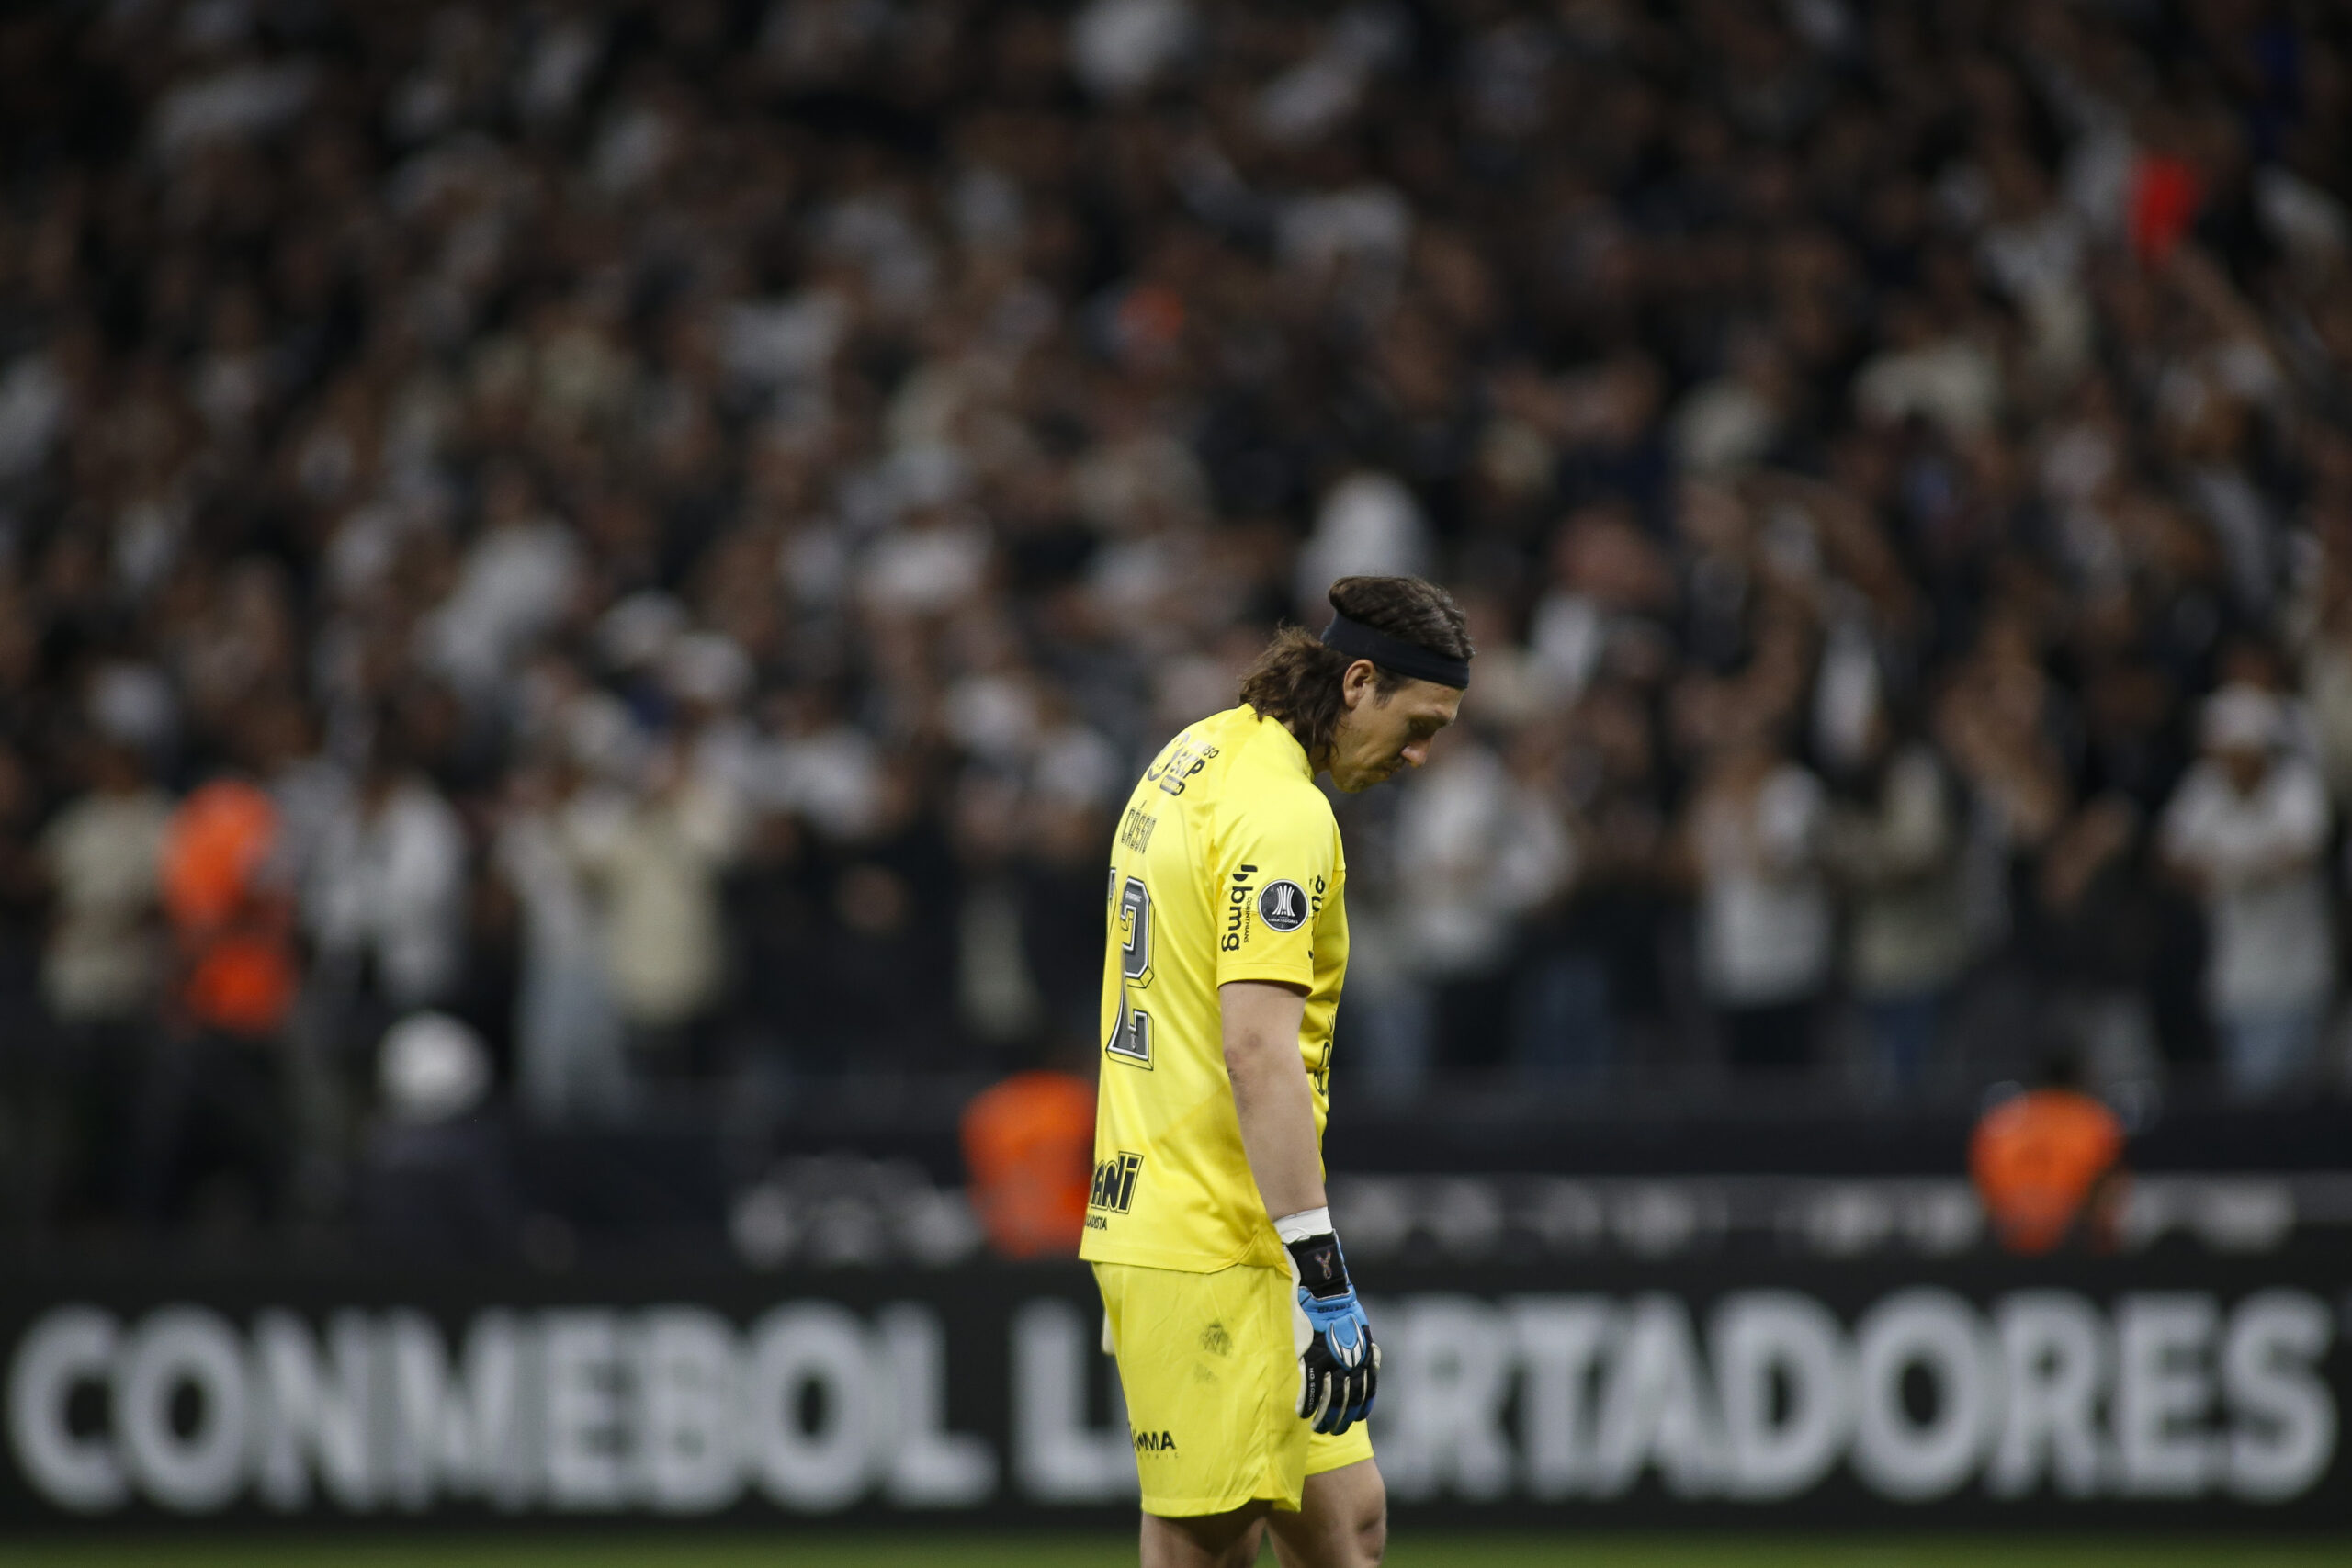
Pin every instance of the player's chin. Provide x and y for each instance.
(1359, 783)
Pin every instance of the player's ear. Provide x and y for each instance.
(1355, 681)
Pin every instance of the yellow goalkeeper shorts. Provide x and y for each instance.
(1209, 1365)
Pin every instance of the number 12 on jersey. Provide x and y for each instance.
(1131, 1034)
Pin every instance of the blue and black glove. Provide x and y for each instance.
(1339, 1366)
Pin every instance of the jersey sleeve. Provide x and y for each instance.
(1277, 862)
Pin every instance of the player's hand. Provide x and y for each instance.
(1339, 1372)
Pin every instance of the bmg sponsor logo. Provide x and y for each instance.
(1236, 911)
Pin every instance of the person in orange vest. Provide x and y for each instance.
(2047, 1165)
(234, 930)
(1029, 1150)
(212, 1105)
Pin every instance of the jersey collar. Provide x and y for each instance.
(1291, 749)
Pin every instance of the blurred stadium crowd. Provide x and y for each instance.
(658, 537)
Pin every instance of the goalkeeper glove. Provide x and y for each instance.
(1339, 1366)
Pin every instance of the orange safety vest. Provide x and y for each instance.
(1029, 1147)
(2036, 1159)
(236, 950)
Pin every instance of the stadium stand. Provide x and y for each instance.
(677, 524)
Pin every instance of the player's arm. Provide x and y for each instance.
(1340, 1369)
(1271, 1093)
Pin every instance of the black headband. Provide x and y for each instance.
(1409, 658)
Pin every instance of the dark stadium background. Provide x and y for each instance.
(581, 584)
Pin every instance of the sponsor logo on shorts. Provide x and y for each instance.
(1283, 906)
(1161, 1442)
(1114, 1183)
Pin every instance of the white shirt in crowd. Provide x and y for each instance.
(2259, 856)
(101, 853)
(567, 1025)
(655, 864)
(1478, 849)
(1765, 930)
(390, 885)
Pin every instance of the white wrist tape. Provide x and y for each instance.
(1295, 1228)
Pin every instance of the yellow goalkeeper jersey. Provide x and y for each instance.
(1225, 866)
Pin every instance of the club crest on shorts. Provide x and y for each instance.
(1283, 906)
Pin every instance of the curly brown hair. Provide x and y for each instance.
(1296, 679)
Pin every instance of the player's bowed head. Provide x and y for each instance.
(1366, 697)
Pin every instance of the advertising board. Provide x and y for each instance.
(1979, 1393)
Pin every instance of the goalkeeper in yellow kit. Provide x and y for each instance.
(1246, 1361)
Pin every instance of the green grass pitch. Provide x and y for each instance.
(801, 1551)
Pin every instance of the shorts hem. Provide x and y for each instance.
(1202, 1507)
(1325, 1466)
